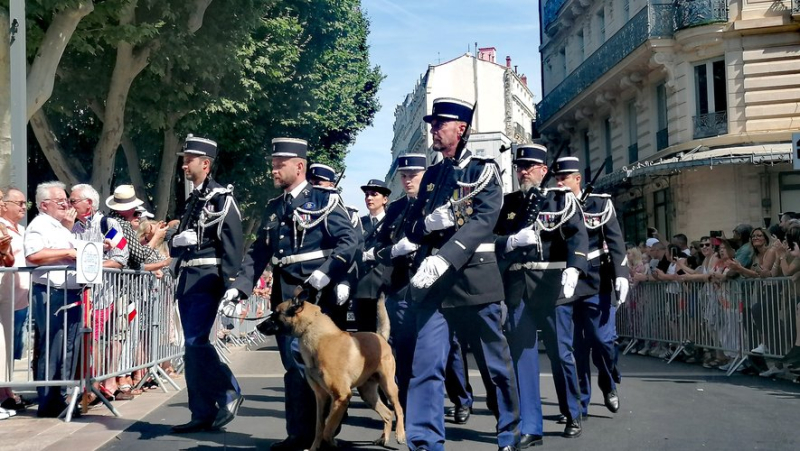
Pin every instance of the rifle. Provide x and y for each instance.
(534, 202)
(589, 188)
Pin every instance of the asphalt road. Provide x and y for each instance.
(674, 407)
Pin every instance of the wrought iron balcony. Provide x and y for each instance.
(662, 139)
(696, 13)
(550, 11)
(711, 124)
(654, 21)
(795, 8)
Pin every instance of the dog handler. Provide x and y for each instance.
(308, 239)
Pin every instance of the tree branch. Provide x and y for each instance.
(41, 76)
(59, 161)
(196, 17)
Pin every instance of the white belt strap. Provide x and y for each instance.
(538, 266)
(299, 258)
(483, 247)
(201, 262)
(595, 253)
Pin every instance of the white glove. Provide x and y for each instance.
(429, 271)
(185, 238)
(318, 280)
(622, 285)
(369, 254)
(230, 305)
(403, 247)
(441, 218)
(232, 294)
(569, 280)
(342, 293)
(525, 237)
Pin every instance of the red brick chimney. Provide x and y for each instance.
(487, 54)
(508, 62)
(524, 79)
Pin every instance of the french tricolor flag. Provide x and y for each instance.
(131, 311)
(116, 238)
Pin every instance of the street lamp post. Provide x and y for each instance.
(19, 113)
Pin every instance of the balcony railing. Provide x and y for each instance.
(662, 139)
(795, 8)
(711, 124)
(654, 21)
(696, 13)
(550, 10)
(633, 153)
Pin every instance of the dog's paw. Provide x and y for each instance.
(381, 441)
(401, 439)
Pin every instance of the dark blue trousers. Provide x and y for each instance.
(595, 333)
(402, 337)
(300, 404)
(479, 327)
(209, 382)
(557, 331)
(53, 362)
(456, 377)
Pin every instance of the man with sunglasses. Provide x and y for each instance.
(541, 254)
(607, 274)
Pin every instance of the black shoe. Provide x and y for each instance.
(12, 404)
(528, 440)
(450, 411)
(192, 427)
(291, 443)
(612, 401)
(508, 448)
(562, 419)
(228, 413)
(56, 412)
(461, 415)
(573, 429)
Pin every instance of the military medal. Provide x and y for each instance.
(430, 187)
(470, 211)
(460, 221)
(511, 216)
(273, 217)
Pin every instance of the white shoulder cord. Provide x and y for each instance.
(211, 218)
(570, 208)
(303, 225)
(602, 217)
(489, 171)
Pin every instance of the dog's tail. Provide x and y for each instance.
(384, 326)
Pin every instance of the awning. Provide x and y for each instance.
(751, 154)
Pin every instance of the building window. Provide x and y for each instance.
(662, 135)
(581, 44)
(711, 100)
(587, 156)
(607, 138)
(601, 27)
(790, 191)
(633, 133)
(634, 221)
(562, 57)
(626, 10)
(662, 208)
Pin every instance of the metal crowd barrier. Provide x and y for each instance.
(734, 316)
(128, 323)
(241, 330)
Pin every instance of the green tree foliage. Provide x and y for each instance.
(247, 72)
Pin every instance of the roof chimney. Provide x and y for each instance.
(515, 68)
(508, 61)
(524, 79)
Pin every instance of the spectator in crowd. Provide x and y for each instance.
(763, 257)
(741, 243)
(13, 209)
(148, 232)
(727, 316)
(92, 225)
(706, 302)
(792, 248)
(696, 258)
(48, 242)
(637, 268)
(682, 242)
(785, 218)
(9, 405)
(658, 257)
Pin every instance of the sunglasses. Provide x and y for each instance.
(705, 244)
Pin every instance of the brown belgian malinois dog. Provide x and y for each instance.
(336, 361)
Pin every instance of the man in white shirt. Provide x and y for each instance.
(13, 209)
(48, 242)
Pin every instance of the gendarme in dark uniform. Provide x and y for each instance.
(370, 271)
(208, 251)
(541, 264)
(307, 237)
(457, 285)
(594, 312)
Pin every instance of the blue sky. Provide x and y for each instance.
(408, 35)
